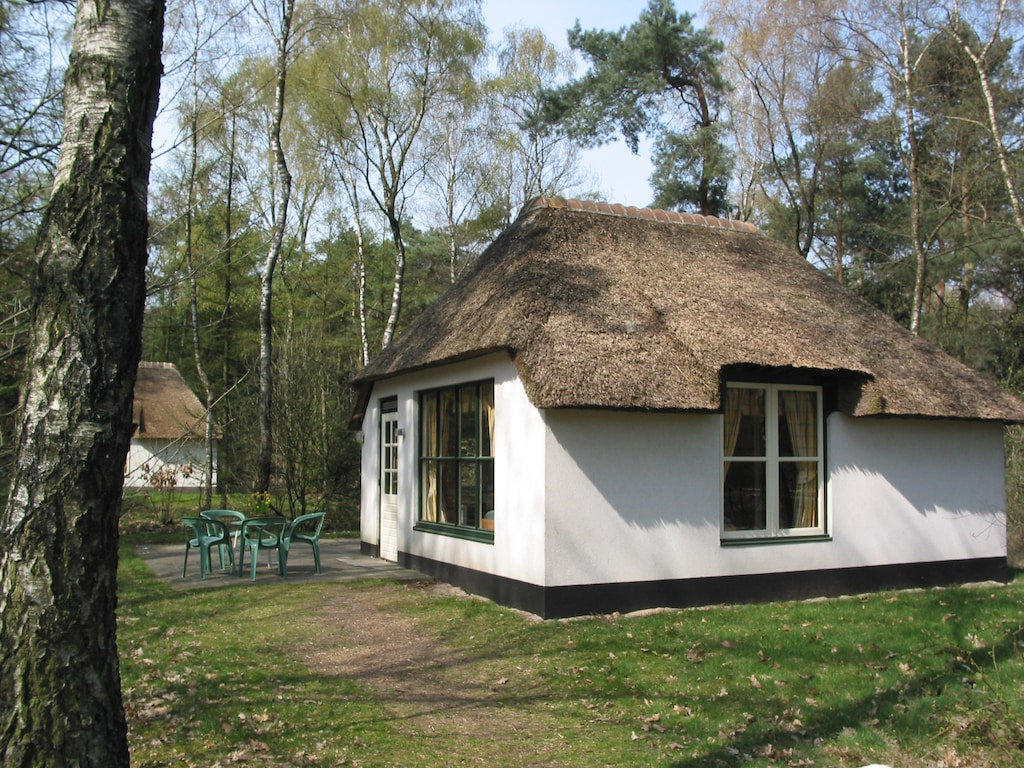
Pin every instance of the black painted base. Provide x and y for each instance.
(586, 599)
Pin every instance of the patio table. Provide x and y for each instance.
(262, 538)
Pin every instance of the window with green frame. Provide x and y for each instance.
(457, 458)
(773, 462)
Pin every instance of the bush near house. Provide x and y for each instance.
(156, 512)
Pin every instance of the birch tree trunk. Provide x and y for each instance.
(59, 678)
(193, 294)
(978, 59)
(284, 185)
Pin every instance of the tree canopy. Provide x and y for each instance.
(658, 78)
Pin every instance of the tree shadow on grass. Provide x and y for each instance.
(982, 711)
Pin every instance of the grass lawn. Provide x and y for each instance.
(378, 674)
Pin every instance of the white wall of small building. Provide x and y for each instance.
(186, 459)
(593, 496)
(518, 548)
(636, 497)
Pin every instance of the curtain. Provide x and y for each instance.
(430, 448)
(800, 410)
(487, 406)
(739, 402)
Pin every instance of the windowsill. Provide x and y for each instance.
(456, 532)
(762, 540)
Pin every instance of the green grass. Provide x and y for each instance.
(919, 678)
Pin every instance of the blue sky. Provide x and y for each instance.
(620, 175)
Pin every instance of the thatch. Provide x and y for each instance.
(164, 407)
(605, 307)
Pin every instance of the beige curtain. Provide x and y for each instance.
(430, 448)
(739, 402)
(800, 410)
(487, 404)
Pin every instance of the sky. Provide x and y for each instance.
(621, 176)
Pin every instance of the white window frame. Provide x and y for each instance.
(772, 530)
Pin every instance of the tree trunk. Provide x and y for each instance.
(396, 294)
(59, 677)
(193, 285)
(978, 58)
(284, 183)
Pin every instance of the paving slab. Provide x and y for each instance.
(340, 560)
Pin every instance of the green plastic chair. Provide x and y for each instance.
(205, 533)
(304, 529)
(226, 516)
(261, 533)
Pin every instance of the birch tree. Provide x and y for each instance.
(388, 64)
(59, 678)
(887, 38)
(526, 163)
(281, 29)
(992, 17)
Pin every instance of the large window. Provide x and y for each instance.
(772, 461)
(457, 458)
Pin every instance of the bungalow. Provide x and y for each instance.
(167, 447)
(616, 409)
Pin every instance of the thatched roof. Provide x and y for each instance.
(601, 306)
(165, 408)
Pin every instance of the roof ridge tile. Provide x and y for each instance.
(632, 212)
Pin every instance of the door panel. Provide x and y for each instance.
(389, 486)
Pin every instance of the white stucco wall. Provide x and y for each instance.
(518, 548)
(591, 497)
(631, 496)
(185, 461)
(636, 497)
(915, 491)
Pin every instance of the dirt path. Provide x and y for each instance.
(432, 692)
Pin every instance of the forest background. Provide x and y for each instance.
(319, 182)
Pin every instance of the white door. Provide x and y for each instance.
(389, 486)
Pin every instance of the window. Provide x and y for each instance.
(457, 459)
(389, 447)
(772, 461)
